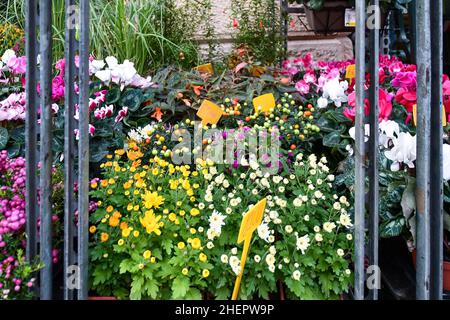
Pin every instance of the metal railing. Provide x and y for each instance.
(429, 182)
(39, 26)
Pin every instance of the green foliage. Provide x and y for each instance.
(258, 28)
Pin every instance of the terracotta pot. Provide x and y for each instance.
(446, 272)
(101, 298)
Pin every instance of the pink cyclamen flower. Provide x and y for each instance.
(405, 80)
(17, 65)
(309, 77)
(122, 114)
(302, 87)
(104, 112)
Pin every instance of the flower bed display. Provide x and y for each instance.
(164, 229)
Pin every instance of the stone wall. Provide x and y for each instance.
(301, 39)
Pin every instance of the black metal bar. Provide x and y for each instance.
(360, 150)
(436, 170)
(45, 17)
(69, 146)
(285, 25)
(83, 152)
(423, 150)
(30, 129)
(373, 145)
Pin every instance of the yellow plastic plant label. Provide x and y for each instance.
(264, 103)
(444, 118)
(205, 68)
(350, 72)
(209, 112)
(250, 222)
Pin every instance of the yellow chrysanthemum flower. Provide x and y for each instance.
(205, 273)
(196, 243)
(202, 257)
(147, 254)
(150, 222)
(92, 229)
(185, 271)
(181, 245)
(121, 242)
(152, 199)
(126, 232)
(195, 212)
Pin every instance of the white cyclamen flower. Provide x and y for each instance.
(404, 151)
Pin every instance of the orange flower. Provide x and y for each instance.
(123, 225)
(197, 89)
(104, 237)
(134, 155)
(157, 114)
(113, 221)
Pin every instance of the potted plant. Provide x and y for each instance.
(325, 16)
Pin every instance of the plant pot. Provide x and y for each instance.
(331, 18)
(446, 272)
(94, 298)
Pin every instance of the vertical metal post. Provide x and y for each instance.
(285, 25)
(30, 129)
(359, 150)
(373, 145)
(83, 152)
(423, 150)
(69, 147)
(436, 170)
(45, 10)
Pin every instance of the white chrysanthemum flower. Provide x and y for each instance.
(318, 237)
(270, 259)
(272, 250)
(340, 252)
(349, 236)
(257, 258)
(345, 220)
(273, 214)
(234, 250)
(271, 268)
(303, 243)
(329, 226)
(316, 229)
(318, 194)
(271, 239)
(216, 221)
(348, 272)
(286, 260)
(306, 217)
(288, 228)
(210, 245)
(224, 258)
(296, 275)
(297, 202)
(337, 206)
